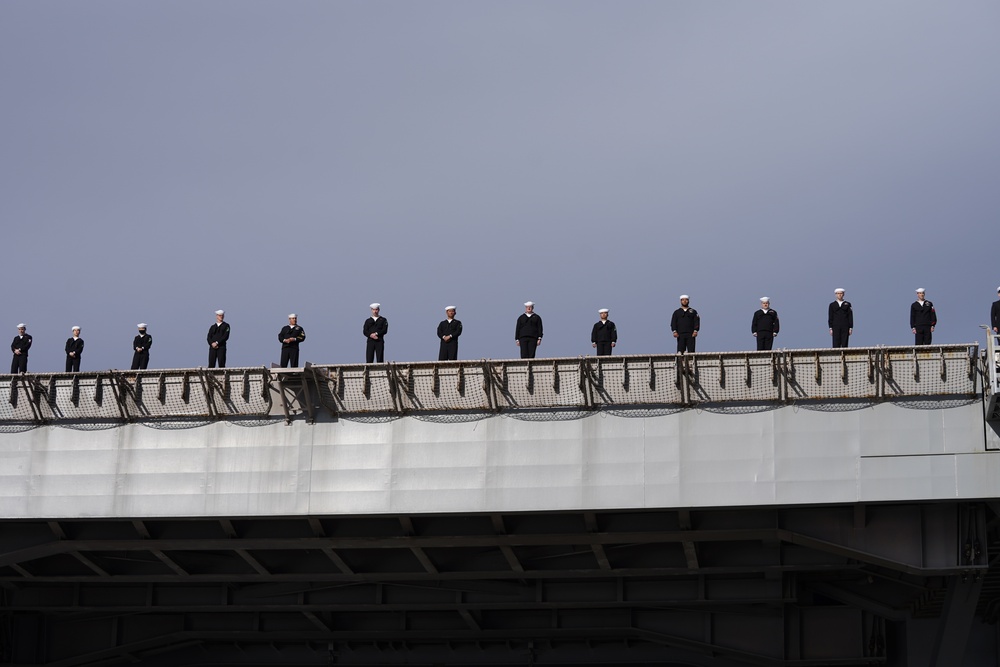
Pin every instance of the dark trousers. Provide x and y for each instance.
(765, 339)
(840, 336)
(290, 355)
(528, 346)
(603, 349)
(19, 364)
(140, 360)
(449, 350)
(685, 342)
(375, 351)
(923, 336)
(72, 364)
(216, 354)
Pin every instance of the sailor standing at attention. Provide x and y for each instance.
(74, 350)
(765, 324)
(375, 329)
(140, 347)
(923, 319)
(528, 332)
(20, 345)
(448, 332)
(218, 334)
(604, 336)
(290, 336)
(995, 314)
(685, 324)
(840, 319)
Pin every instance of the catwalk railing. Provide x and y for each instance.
(496, 386)
(991, 365)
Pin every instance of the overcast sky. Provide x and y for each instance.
(159, 160)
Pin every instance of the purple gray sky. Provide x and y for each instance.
(160, 160)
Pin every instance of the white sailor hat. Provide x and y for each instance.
(291, 315)
(220, 312)
(921, 290)
(447, 308)
(764, 298)
(603, 310)
(375, 305)
(75, 329)
(685, 296)
(21, 326)
(141, 325)
(839, 290)
(529, 303)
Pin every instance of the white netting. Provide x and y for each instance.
(730, 382)
(832, 374)
(926, 371)
(746, 377)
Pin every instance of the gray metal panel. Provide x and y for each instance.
(692, 458)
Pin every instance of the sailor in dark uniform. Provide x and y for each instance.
(448, 332)
(22, 341)
(685, 324)
(528, 332)
(604, 335)
(375, 329)
(765, 324)
(995, 314)
(140, 348)
(923, 319)
(290, 336)
(218, 334)
(840, 319)
(74, 350)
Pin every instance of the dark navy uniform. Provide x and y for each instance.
(923, 319)
(685, 323)
(449, 348)
(766, 326)
(603, 335)
(19, 362)
(527, 333)
(375, 349)
(218, 333)
(74, 345)
(140, 346)
(995, 316)
(840, 321)
(290, 351)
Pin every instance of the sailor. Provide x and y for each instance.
(448, 332)
(765, 324)
(528, 332)
(74, 350)
(140, 346)
(20, 345)
(604, 336)
(840, 319)
(923, 319)
(685, 324)
(290, 336)
(218, 334)
(995, 314)
(375, 329)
